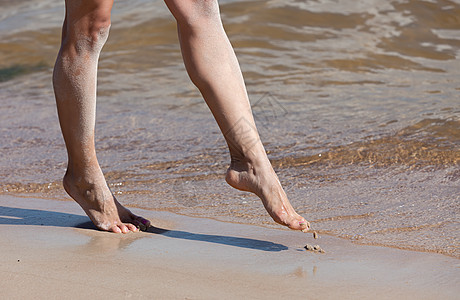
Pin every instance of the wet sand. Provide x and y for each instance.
(50, 248)
(356, 103)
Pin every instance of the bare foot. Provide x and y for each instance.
(260, 179)
(98, 202)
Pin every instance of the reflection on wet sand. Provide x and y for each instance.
(356, 103)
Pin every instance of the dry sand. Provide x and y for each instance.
(49, 250)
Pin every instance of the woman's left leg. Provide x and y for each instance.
(213, 67)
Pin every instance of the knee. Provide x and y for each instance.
(88, 33)
(193, 13)
(97, 35)
(94, 34)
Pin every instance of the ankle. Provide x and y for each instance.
(83, 174)
(87, 164)
(254, 159)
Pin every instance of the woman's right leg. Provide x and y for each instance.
(85, 30)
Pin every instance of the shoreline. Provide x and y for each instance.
(50, 245)
(265, 225)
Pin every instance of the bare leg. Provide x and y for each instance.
(214, 69)
(85, 30)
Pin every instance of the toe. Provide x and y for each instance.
(131, 227)
(299, 224)
(123, 228)
(304, 225)
(115, 229)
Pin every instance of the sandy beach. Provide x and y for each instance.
(357, 107)
(356, 103)
(51, 250)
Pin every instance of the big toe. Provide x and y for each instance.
(299, 223)
(115, 229)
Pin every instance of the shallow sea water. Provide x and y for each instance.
(357, 103)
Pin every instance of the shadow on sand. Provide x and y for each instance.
(23, 216)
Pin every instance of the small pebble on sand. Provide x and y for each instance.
(315, 235)
(309, 247)
(315, 248)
